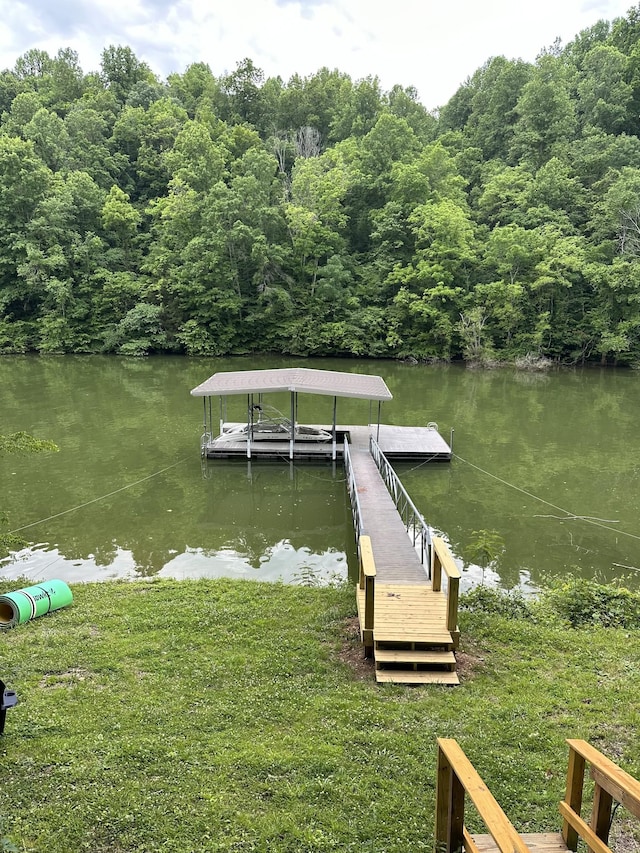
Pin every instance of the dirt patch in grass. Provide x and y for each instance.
(69, 678)
(625, 836)
(467, 664)
(351, 651)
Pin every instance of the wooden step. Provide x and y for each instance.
(410, 676)
(426, 656)
(384, 634)
(537, 842)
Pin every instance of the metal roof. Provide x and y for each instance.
(299, 379)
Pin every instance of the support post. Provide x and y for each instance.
(293, 424)
(221, 414)
(378, 430)
(453, 587)
(601, 813)
(333, 449)
(449, 831)
(249, 424)
(573, 796)
(367, 583)
(436, 569)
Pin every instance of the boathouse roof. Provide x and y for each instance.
(332, 383)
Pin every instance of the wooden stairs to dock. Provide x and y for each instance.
(410, 630)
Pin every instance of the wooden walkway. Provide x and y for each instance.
(411, 640)
(407, 622)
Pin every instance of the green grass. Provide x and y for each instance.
(229, 716)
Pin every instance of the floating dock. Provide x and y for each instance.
(396, 442)
(408, 617)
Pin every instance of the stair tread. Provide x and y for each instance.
(394, 635)
(414, 656)
(400, 676)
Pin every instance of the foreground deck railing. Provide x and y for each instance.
(611, 783)
(457, 779)
(414, 523)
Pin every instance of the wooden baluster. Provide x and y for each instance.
(601, 813)
(573, 796)
(436, 569)
(452, 604)
(448, 828)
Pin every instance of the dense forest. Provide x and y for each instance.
(323, 216)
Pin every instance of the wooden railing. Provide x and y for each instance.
(367, 582)
(611, 783)
(414, 523)
(457, 778)
(442, 559)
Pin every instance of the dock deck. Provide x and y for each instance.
(396, 442)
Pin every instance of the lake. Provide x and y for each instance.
(550, 462)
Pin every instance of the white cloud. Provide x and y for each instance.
(431, 45)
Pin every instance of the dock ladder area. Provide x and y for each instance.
(408, 622)
(458, 781)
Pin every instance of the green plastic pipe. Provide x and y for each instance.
(33, 601)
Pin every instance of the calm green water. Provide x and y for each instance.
(127, 495)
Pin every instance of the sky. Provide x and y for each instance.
(433, 46)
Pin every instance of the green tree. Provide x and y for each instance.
(49, 136)
(546, 113)
(24, 181)
(121, 70)
(604, 94)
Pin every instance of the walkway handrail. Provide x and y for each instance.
(443, 559)
(367, 580)
(414, 523)
(611, 783)
(457, 777)
(356, 511)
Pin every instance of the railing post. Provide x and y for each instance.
(573, 795)
(367, 583)
(436, 570)
(452, 604)
(601, 813)
(449, 829)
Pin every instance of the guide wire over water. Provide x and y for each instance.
(101, 498)
(568, 516)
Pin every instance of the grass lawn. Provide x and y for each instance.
(239, 716)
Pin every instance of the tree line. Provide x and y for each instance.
(212, 215)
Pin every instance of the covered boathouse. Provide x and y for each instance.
(287, 438)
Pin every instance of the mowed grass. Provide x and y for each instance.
(237, 716)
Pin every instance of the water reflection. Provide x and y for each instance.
(279, 562)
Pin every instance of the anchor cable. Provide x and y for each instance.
(568, 515)
(101, 498)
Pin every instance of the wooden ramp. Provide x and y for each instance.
(407, 623)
